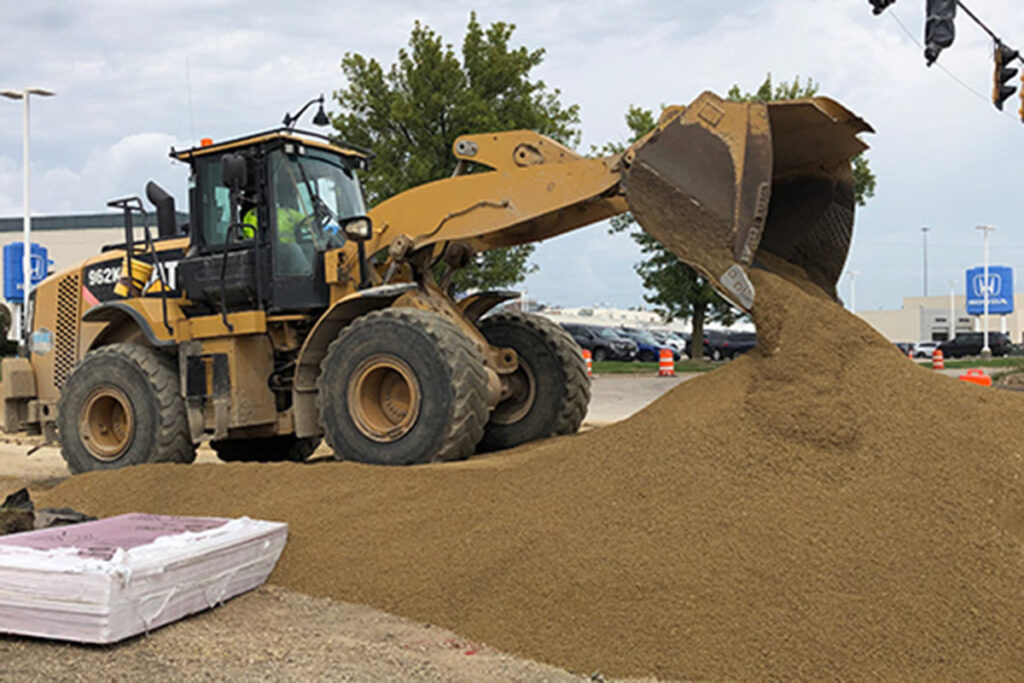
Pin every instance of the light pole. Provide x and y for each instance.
(26, 257)
(952, 310)
(853, 290)
(986, 352)
(924, 232)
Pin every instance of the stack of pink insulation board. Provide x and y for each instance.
(103, 581)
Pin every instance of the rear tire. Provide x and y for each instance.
(402, 386)
(282, 448)
(553, 388)
(121, 406)
(599, 355)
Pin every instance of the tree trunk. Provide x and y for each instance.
(697, 339)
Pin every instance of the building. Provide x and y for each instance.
(617, 317)
(74, 238)
(927, 318)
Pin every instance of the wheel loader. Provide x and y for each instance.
(288, 313)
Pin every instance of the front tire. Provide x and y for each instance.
(121, 406)
(550, 390)
(402, 386)
(282, 448)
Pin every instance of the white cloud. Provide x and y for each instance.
(108, 173)
(943, 158)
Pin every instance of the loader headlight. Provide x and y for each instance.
(358, 229)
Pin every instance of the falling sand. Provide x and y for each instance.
(819, 508)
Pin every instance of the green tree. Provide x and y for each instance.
(410, 114)
(676, 289)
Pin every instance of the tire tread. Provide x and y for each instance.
(173, 437)
(575, 401)
(465, 366)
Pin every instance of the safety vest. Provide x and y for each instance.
(287, 219)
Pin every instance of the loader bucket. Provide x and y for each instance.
(722, 184)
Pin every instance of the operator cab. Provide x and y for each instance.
(262, 211)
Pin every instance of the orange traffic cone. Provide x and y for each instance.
(589, 358)
(938, 363)
(666, 366)
(977, 377)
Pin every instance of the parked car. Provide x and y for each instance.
(604, 343)
(970, 344)
(670, 340)
(647, 347)
(904, 347)
(730, 344)
(722, 345)
(925, 349)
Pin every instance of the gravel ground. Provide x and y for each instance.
(272, 634)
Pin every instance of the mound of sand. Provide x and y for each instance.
(819, 508)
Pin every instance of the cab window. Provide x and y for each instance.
(215, 200)
(311, 193)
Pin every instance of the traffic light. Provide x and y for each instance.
(880, 5)
(1022, 98)
(939, 30)
(1003, 73)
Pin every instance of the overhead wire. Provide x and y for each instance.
(962, 83)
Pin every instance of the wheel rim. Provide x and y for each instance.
(106, 423)
(518, 397)
(384, 398)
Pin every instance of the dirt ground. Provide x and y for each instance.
(272, 634)
(615, 397)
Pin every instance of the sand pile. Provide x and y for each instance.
(819, 508)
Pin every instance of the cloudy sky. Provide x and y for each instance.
(134, 78)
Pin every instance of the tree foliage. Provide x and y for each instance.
(674, 288)
(410, 114)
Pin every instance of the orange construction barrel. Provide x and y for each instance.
(589, 358)
(666, 366)
(938, 363)
(977, 376)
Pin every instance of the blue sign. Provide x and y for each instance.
(14, 281)
(999, 286)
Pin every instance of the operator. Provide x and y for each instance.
(286, 197)
(292, 258)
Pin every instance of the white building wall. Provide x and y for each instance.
(919, 317)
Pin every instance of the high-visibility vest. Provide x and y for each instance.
(287, 219)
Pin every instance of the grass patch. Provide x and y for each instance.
(1007, 362)
(624, 367)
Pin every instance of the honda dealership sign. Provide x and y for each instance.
(999, 286)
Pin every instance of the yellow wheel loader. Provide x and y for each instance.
(288, 313)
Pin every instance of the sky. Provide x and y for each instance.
(133, 79)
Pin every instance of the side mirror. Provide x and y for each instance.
(357, 229)
(234, 171)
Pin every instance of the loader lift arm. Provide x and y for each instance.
(715, 182)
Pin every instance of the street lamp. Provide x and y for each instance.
(952, 310)
(853, 290)
(924, 231)
(986, 352)
(26, 260)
